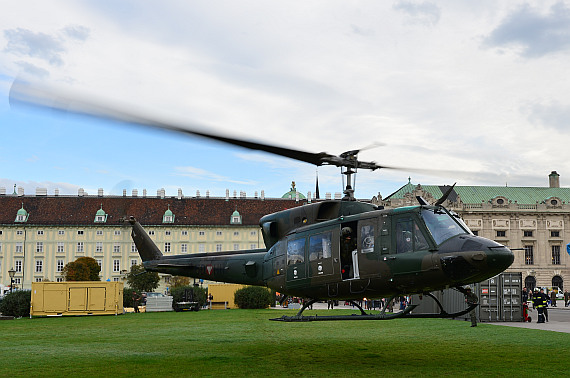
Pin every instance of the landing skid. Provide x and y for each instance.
(406, 313)
(362, 316)
(442, 312)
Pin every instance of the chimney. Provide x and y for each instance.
(554, 180)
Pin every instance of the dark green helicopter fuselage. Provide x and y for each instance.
(346, 250)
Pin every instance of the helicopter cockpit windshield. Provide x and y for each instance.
(442, 225)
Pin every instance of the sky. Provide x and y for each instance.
(478, 89)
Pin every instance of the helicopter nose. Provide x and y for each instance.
(499, 257)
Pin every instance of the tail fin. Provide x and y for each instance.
(146, 247)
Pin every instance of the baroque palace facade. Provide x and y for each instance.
(531, 220)
(40, 234)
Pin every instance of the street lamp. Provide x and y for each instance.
(11, 273)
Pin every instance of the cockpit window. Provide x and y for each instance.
(441, 225)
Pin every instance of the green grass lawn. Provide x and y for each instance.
(246, 343)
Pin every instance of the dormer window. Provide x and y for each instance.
(168, 216)
(235, 218)
(100, 216)
(22, 215)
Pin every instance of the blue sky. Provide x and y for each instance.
(478, 88)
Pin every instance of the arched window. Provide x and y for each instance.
(558, 281)
(530, 283)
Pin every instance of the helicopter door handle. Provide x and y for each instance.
(390, 258)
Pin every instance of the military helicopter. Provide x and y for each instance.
(328, 250)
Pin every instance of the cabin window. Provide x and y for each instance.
(409, 236)
(367, 238)
(320, 246)
(296, 251)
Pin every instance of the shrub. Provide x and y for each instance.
(178, 294)
(16, 304)
(253, 297)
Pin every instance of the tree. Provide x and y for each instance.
(141, 280)
(82, 269)
(179, 281)
(16, 304)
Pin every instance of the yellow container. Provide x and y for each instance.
(223, 295)
(76, 298)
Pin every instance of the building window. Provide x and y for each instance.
(99, 233)
(253, 246)
(134, 262)
(253, 233)
(236, 247)
(219, 233)
(555, 255)
(80, 232)
(218, 248)
(184, 248)
(39, 266)
(167, 247)
(39, 247)
(80, 247)
(527, 234)
(501, 234)
(99, 262)
(18, 266)
(134, 248)
(201, 248)
(475, 232)
(184, 233)
(61, 232)
(99, 247)
(554, 234)
(59, 279)
(117, 232)
(40, 232)
(60, 247)
(201, 233)
(117, 248)
(39, 279)
(236, 233)
(60, 265)
(115, 279)
(116, 266)
(19, 247)
(167, 233)
(528, 255)
(151, 232)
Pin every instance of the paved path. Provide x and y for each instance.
(558, 321)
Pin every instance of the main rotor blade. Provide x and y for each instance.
(72, 103)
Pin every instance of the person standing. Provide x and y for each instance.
(566, 298)
(471, 299)
(544, 303)
(553, 298)
(538, 304)
(136, 300)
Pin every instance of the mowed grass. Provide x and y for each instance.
(246, 343)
